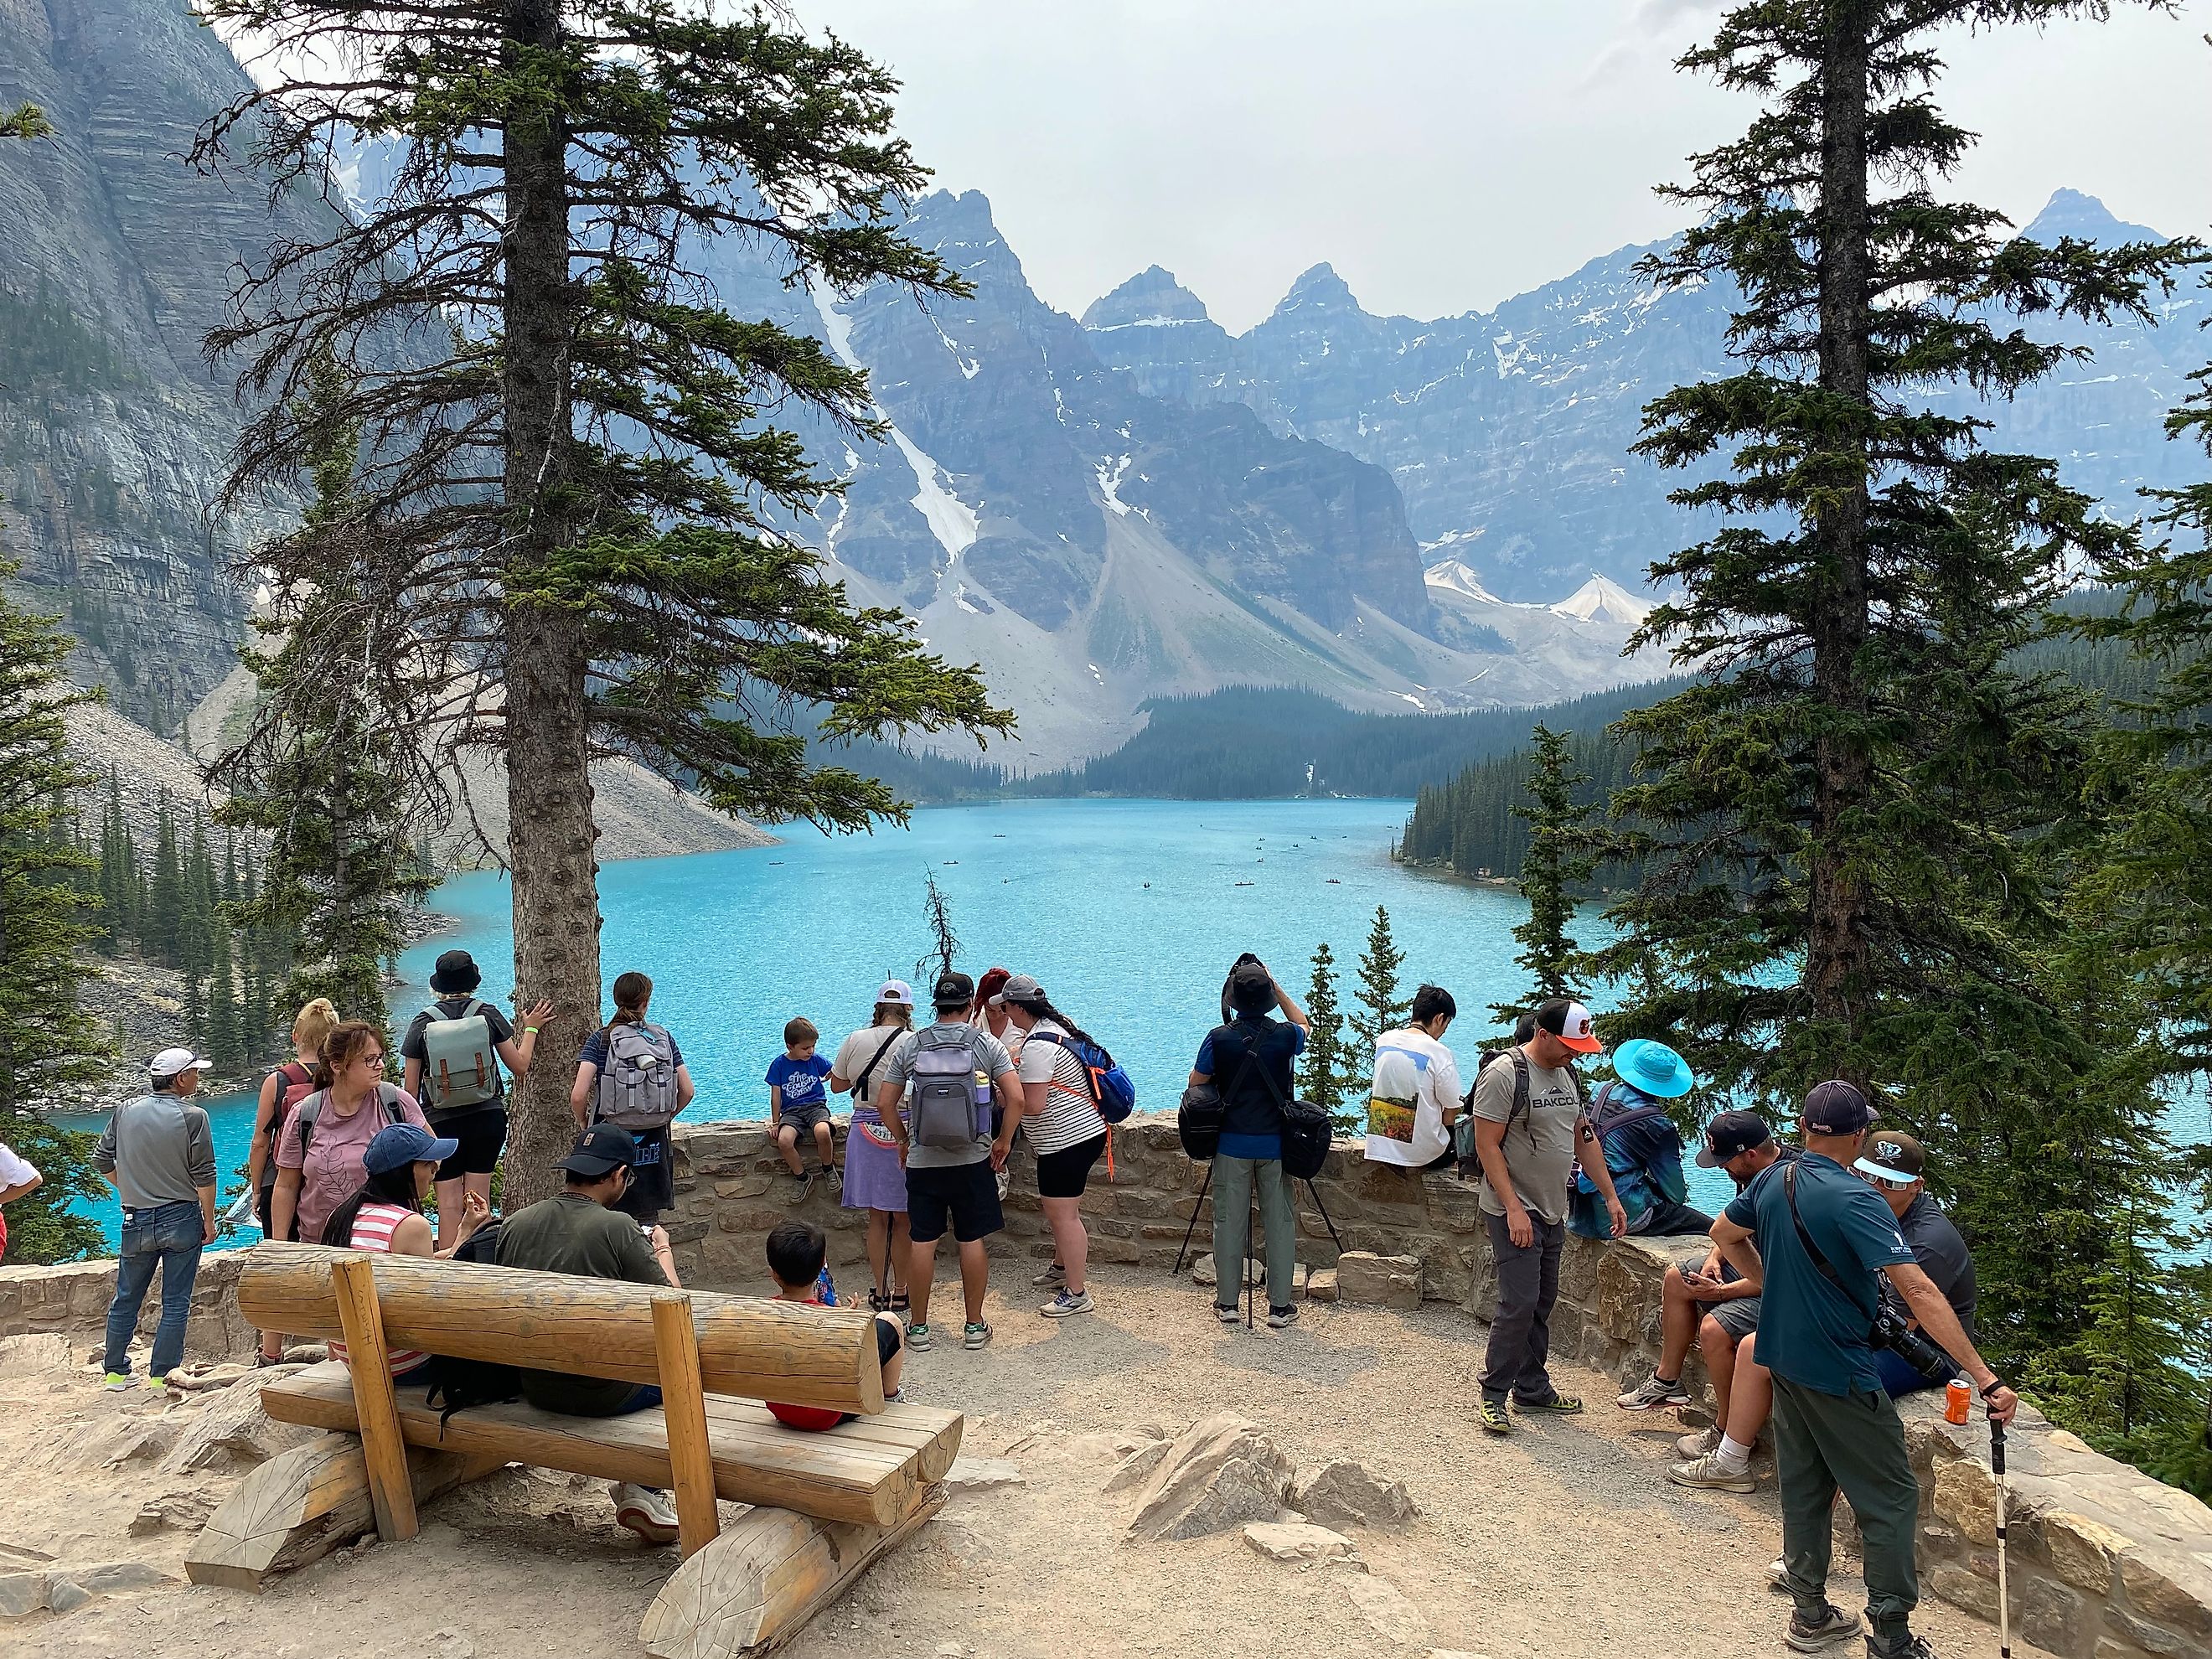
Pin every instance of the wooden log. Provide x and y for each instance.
(754, 1588)
(353, 1281)
(684, 1410)
(749, 1346)
(823, 1474)
(303, 1503)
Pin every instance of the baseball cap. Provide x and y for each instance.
(1893, 1155)
(1836, 1107)
(1731, 1134)
(600, 1150)
(897, 990)
(398, 1144)
(173, 1062)
(953, 991)
(1570, 1023)
(1019, 987)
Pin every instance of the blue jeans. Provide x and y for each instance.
(166, 1236)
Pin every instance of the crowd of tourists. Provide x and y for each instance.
(1832, 1283)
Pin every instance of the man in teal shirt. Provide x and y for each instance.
(1834, 1424)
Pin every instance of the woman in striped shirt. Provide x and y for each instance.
(384, 1216)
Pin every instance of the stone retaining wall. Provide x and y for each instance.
(2106, 1563)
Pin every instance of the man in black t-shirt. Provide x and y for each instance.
(480, 1127)
(1891, 1165)
(1249, 1060)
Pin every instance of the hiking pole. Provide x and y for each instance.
(1315, 1193)
(2004, 1606)
(1244, 1255)
(1194, 1209)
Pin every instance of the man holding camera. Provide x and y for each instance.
(1818, 1240)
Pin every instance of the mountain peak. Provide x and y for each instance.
(2071, 213)
(1602, 599)
(956, 216)
(1319, 288)
(1151, 297)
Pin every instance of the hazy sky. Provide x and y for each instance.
(1443, 155)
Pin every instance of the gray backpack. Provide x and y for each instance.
(945, 1109)
(637, 1083)
(460, 1062)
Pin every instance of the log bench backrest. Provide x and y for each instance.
(753, 1348)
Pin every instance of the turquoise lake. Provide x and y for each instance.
(1130, 912)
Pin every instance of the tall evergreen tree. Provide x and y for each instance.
(1562, 856)
(50, 1051)
(564, 511)
(1379, 1006)
(1793, 831)
(163, 934)
(1326, 1075)
(42, 1228)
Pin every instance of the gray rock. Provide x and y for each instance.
(1219, 1475)
(1291, 1542)
(982, 1474)
(65, 1595)
(1389, 1281)
(120, 1577)
(1343, 1493)
(22, 1593)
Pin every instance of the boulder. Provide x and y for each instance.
(120, 1577)
(179, 1511)
(1203, 1271)
(1388, 1611)
(38, 1351)
(1387, 1281)
(1294, 1541)
(22, 1593)
(65, 1595)
(1342, 1493)
(1217, 1475)
(230, 1430)
(1137, 1468)
(1320, 1285)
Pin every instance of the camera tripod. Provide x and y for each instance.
(1243, 1273)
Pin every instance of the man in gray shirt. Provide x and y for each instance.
(958, 1182)
(158, 1153)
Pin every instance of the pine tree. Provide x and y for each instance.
(25, 121)
(1562, 856)
(563, 522)
(1326, 1074)
(1793, 832)
(164, 893)
(51, 1052)
(1379, 1008)
(41, 1227)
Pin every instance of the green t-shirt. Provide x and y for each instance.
(570, 1234)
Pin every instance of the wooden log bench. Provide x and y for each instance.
(825, 1504)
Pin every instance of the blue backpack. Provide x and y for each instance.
(1111, 1091)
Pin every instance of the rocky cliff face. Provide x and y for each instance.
(1508, 432)
(113, 428)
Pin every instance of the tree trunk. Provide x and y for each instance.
(1837, 956)
(548, 790)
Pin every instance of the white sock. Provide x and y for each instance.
(1733, 1457)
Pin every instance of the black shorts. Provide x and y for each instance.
(1064, 1174)
(651, 1179)
(969, 1192)
(889, 1338)
(481, 1135)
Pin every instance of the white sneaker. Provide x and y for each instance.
(1651, 1394)
(646, 1512)
(1698, 1442)
(1707, 1474)
(1054, 1276)
(1066, 1304)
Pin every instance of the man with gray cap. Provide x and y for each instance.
(158, 1153)
(1818, 1241)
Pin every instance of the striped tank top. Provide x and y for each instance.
(372, 1231)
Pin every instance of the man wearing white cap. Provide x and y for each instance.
(158, 1153)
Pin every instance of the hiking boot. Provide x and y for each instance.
(1559, 1404)
(1652, 1392)
(1490, 1413)
(1706, 1475)
(116, 1381)
(1067, 1302)
(974, 1334)
(1051, 1277)
(1698, 1442)
(1833, 1627)
(918, 1338)
(646, 1512)
(1227, 1316)
(1279, 1317)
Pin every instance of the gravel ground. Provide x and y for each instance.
(1563, 1540)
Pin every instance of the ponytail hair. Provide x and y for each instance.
(341, 1048)
(392, 1187)
(632, 992)
(313, 1026)
(1043, 1008)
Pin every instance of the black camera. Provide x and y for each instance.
(1890, 1331)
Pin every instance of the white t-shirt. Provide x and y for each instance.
(1069, 1118)
(1416, 1078)
(14, 1171)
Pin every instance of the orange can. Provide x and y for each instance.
(1958, 1400)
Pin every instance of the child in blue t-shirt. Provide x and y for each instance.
(799, 1101)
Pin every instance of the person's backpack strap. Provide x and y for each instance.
(1519, 1108)
(1804, 1238)
(387, 1095)
(306, 1112)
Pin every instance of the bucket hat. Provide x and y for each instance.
(1653, 1068)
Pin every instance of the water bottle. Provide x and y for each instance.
(825, 1288)
(985, 1124)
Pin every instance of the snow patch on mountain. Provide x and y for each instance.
(1602, 599)
(1455, 577)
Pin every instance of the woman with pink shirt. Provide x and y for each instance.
(320, 1148)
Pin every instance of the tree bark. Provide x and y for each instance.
(548, 790)
(1837, 953)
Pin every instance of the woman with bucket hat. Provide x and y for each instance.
(1642, 1148)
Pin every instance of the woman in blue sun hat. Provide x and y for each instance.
(1642, 1148)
